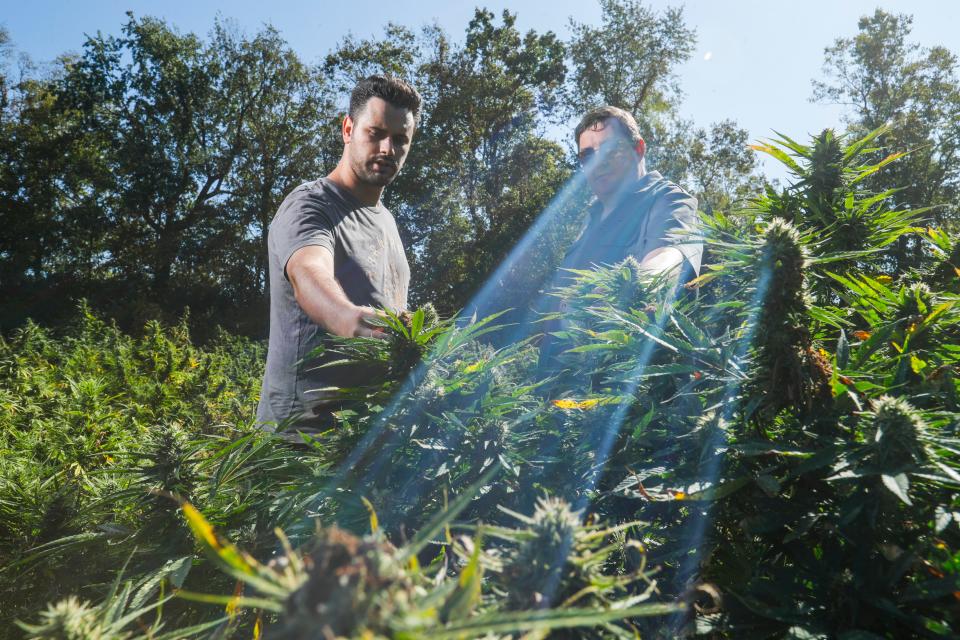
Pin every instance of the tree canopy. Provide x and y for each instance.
(143, 172)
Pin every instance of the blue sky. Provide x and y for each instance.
(754, 60)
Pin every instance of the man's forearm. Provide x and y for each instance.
(322, 298)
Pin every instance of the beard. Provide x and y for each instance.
(378, 171)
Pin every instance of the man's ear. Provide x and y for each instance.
(346, 128)
(641, 148)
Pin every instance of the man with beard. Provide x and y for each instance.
(335, 258)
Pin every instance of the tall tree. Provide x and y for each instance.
(885, 79)
(151, 164)
(630, 61)
(53, 189)
(284, 143)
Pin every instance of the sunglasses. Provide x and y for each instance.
(608, 152)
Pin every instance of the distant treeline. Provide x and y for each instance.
(143, 172)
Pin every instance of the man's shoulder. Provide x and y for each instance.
(668, 196)
(309, 198)
(658, 187)
(315, 192)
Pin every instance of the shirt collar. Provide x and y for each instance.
(641, 184)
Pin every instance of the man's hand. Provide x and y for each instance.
(358, 324)
(310, 271)
(662, 260)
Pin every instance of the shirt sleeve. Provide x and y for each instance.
(673, 222)
(305, 219)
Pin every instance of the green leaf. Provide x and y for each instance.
(416, 323)
(843, 350)
(943, 519)
(718, 491)
(768, 484)
(465, 597)
(238, 601)
(440, 520)
(545, 620)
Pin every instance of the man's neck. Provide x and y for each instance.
(367, 194)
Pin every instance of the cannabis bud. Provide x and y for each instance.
(898, 433)
(430, 315)
(342, 595)
(539, 562)
(826, 161)
(70, 619)
(628, 285)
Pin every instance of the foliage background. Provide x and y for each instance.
(791, 450)
(147, 168)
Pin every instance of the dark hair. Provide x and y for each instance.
(594, 117)
(390, 89)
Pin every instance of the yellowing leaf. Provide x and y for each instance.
(374, 523)
(466, 595)
(568, 403)
(956, 270)
(897, 347)
(239, 562)
(473, 368)
(258, 627)
(200, 527)
(679, 495)
(823, 352)
(884, 279)
(917, 364)
(861, 335)
(231, 608)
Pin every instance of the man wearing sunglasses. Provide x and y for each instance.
(637, 213)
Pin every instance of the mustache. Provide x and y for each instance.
(383, 160)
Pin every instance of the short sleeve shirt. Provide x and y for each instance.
(371, 267)
(656, 213)
(653, 213)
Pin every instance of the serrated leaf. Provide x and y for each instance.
(899, 485)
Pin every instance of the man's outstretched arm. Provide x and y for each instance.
(662, 260)
(670, 247)
(310, 271)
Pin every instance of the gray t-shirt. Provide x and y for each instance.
(370, 265)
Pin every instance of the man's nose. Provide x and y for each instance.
(386, 147)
